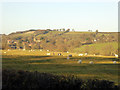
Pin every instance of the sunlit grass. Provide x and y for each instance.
(102, 68)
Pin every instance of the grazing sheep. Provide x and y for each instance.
(8, 49)
(4, 52)
(91, 62)
(80, 55)
(40, 49)
(86, 54)
(48, 53)
(80, 61)
(23, 49)
(67, 52)
(114, 62)
(47, 50)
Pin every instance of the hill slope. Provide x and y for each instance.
(61, 41)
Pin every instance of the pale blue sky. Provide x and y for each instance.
(20, 16)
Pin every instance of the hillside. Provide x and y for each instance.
(62, 41)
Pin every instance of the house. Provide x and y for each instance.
(8, 41)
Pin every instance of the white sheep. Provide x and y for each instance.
(8, 49)
(86, 54)
(67, 52)
(80, 55)
(48, 53)
(91, 62)
(80, 61)
(114, 62)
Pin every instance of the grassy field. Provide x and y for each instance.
(102, 68)
(98, 47)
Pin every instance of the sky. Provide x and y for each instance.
(78, 15)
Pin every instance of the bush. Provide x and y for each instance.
(44, 81)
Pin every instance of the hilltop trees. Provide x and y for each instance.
(96, 31)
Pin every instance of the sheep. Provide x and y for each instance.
(40, 49)
(114, 62)
(48, 53)
(67, 52)
(8, 49)
(80, 55)
(86, 54)
(47, 50)
(80, 61)
(91, 62)
(4, 52)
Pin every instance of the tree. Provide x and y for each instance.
(68, 30)
(96, 31)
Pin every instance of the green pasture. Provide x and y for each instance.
(102, 68)
(98, 48)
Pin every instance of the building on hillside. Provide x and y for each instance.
(8, 41)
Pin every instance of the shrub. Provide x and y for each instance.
(44, 81)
